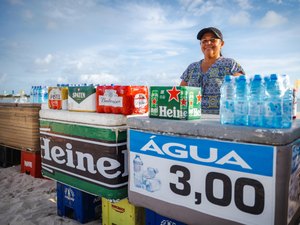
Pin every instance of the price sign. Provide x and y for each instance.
(230, 180)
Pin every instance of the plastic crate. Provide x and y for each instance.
(9, 156)
(31, 163)
(121, 213)
(152, 218)
(76, 204)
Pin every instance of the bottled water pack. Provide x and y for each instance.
(261, 102)
(39, 94)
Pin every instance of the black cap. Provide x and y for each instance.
(213, 30)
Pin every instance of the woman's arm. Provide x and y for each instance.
(183, 83)
(237, 74)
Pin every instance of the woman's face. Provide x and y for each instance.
(211, 46)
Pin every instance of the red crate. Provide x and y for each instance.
(31, 163)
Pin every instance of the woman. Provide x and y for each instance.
(209, 72)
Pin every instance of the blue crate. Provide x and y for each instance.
(77, 204)
(152, 218)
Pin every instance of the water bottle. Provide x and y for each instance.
(226, 101)
(287, 108)
(137, 171)
(44, 94)
(34, 93)
(273, 103)
(241, 101)
(38, 95)
(285, 79)
(31, 94)
(256, 101)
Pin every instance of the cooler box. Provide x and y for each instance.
(175, 102)
(201, 172)
(86, 151)
(77, 204)
(19, 126)
(121, 213)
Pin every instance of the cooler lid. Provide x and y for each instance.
(209, 126)
(91, 118)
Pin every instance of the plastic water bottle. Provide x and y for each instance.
(285, 82)
(287, 108)
(137, 171)
(256, 101)
(32, 94)
(44, 94)
(227, 101)
(39, 94)
(273, 103)
(241, 101)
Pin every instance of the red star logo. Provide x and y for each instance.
(183, 101)
(198, 97)
(154, 101)
(173, 94)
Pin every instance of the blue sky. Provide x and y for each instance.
(139, 42)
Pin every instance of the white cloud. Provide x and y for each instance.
(44, 61)
(285, 64)
(241, 18)
(272, 19)
(191, 5)
(244, 4)
(100, 78)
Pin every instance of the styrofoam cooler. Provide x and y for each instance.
(201, 172)
(85, 150)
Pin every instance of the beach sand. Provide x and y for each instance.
(25, 200)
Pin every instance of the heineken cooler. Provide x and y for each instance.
(86, 151)
(201, 172)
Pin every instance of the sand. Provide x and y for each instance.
(25, 200)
